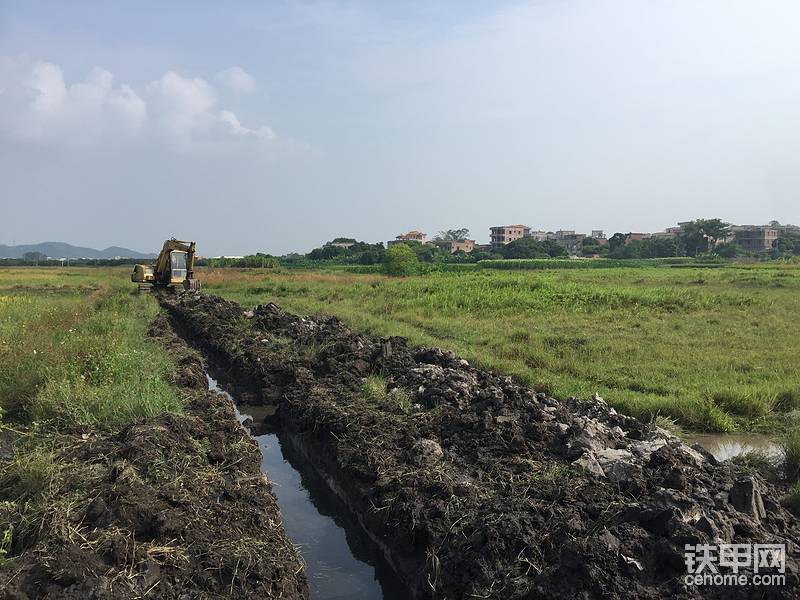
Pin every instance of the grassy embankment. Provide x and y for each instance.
(75, 358)
(715, 349)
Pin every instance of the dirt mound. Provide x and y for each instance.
(168, 507)
(478, 487)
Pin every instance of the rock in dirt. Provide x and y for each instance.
(745, 496)
(426, 452)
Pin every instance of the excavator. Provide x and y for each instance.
(174, 266)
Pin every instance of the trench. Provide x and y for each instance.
(341, 562)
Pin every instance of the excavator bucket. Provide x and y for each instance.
(191, 285)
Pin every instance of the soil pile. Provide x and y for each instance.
(475, 486)
(168, 507)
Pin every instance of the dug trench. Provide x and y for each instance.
(174, 506)
(476, 487)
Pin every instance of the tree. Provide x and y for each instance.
(702, 235)
(528, 247)
(786, 246)
(729, 250)
(400, 261)
(591, 246)
(34, 257)
(327, 252)
(616, 241)
(451, 235)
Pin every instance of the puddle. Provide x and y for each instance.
(728, 445)
(340, 564)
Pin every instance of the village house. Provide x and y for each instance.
(505, 234)
(599, 236)
(453, 246)
(755, 238)
(539, 236)
(572, 241)
(411, 236)
(668, 233)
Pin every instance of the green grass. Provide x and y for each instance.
(571, 263)
(712, 348)
(79, 356)
(374, 390)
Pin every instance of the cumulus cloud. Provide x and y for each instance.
(38, 106)
(236, 128)
(184, 109)
(237, 80)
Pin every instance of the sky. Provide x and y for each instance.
(276, 126)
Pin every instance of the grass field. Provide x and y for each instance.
(715, 349)
(74, 350)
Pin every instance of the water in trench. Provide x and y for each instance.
(340, 563)
(728, 445)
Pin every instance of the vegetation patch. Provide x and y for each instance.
(655, 342)
(395, 400)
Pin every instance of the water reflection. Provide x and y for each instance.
(727, 445)
(340, 563)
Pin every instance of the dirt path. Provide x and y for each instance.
(169, 507)
(477, 487)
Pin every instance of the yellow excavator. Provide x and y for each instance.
(174, 266)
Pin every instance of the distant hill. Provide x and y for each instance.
(64, 250)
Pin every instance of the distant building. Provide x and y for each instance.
(572, 241)
(636, 237)
(453, 246)
(669, 232)
(411, 236)
(755, 238)
(787, 229)
(340, 244)
(505, 234)
(539, 236)
(599, 236)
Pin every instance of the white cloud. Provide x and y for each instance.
(37, 106)
(185, 111)
(237, 80)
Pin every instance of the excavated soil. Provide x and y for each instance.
(168, 507)
(476, 487)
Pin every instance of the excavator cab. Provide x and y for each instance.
(174, 266)
(177, 263)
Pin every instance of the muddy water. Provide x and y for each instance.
(726, 446)
(340, 563)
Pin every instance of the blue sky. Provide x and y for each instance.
(275, 126)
